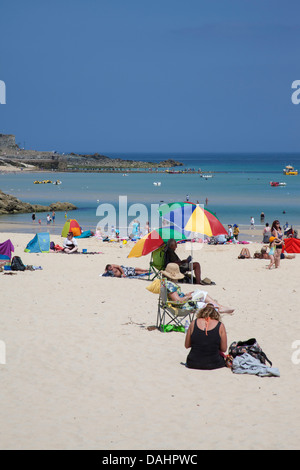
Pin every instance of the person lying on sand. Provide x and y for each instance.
(70, 244)
(123, 271)
(245, 253)
(263, 254)
(198, 298)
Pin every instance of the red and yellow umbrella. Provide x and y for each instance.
(154, 240)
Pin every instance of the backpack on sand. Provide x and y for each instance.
(17, 264)
(251, 346)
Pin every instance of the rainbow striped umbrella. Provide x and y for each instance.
(191, 217)
(154, 240)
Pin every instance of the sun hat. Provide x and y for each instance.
(172, 271)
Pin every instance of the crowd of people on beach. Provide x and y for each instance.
(206, 335)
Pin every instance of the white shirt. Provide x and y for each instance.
(69, 242)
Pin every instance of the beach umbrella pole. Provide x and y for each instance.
(191, 264)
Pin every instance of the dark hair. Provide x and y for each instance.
(170, 242)
(107, 267)
(274, 225)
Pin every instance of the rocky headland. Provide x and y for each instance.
(14, 158)
(11, 205)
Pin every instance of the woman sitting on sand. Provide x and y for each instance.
(192, 300)
(70, 244)
(207, 339)
(123, 271)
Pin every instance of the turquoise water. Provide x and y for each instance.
(238, 190)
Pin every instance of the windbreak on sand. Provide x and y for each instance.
(73, 226)
(39, 244)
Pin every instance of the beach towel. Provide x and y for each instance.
(86, 234)
(247, 364)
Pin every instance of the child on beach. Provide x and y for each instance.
(271, 253)
(275, 252)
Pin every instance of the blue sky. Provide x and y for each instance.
(117, 76)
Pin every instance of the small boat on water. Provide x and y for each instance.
(206, 176)
(276, 183)
(290, 170)
(42, 182)
(57, 182)
(157, 183)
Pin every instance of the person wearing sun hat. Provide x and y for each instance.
(198, 298)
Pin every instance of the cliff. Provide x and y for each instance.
(12, 205)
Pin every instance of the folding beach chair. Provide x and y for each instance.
(157, 261)
(171, 313)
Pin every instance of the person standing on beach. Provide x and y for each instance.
(229, 233)
(33, 217)
(271, 252)
(266, 233)
(236, 231)
(53, 216)
(252, 226)
(278, 234)
(48, 219)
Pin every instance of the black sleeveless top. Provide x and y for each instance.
(205, 350)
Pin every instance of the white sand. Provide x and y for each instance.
(83, 372)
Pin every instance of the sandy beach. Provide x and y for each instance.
(83, 371)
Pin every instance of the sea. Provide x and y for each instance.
(238, 190)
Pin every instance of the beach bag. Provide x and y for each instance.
(17, 264)
(154, 286)
(251, 346)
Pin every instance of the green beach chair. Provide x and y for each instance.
(157, 261)
(171, 313)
